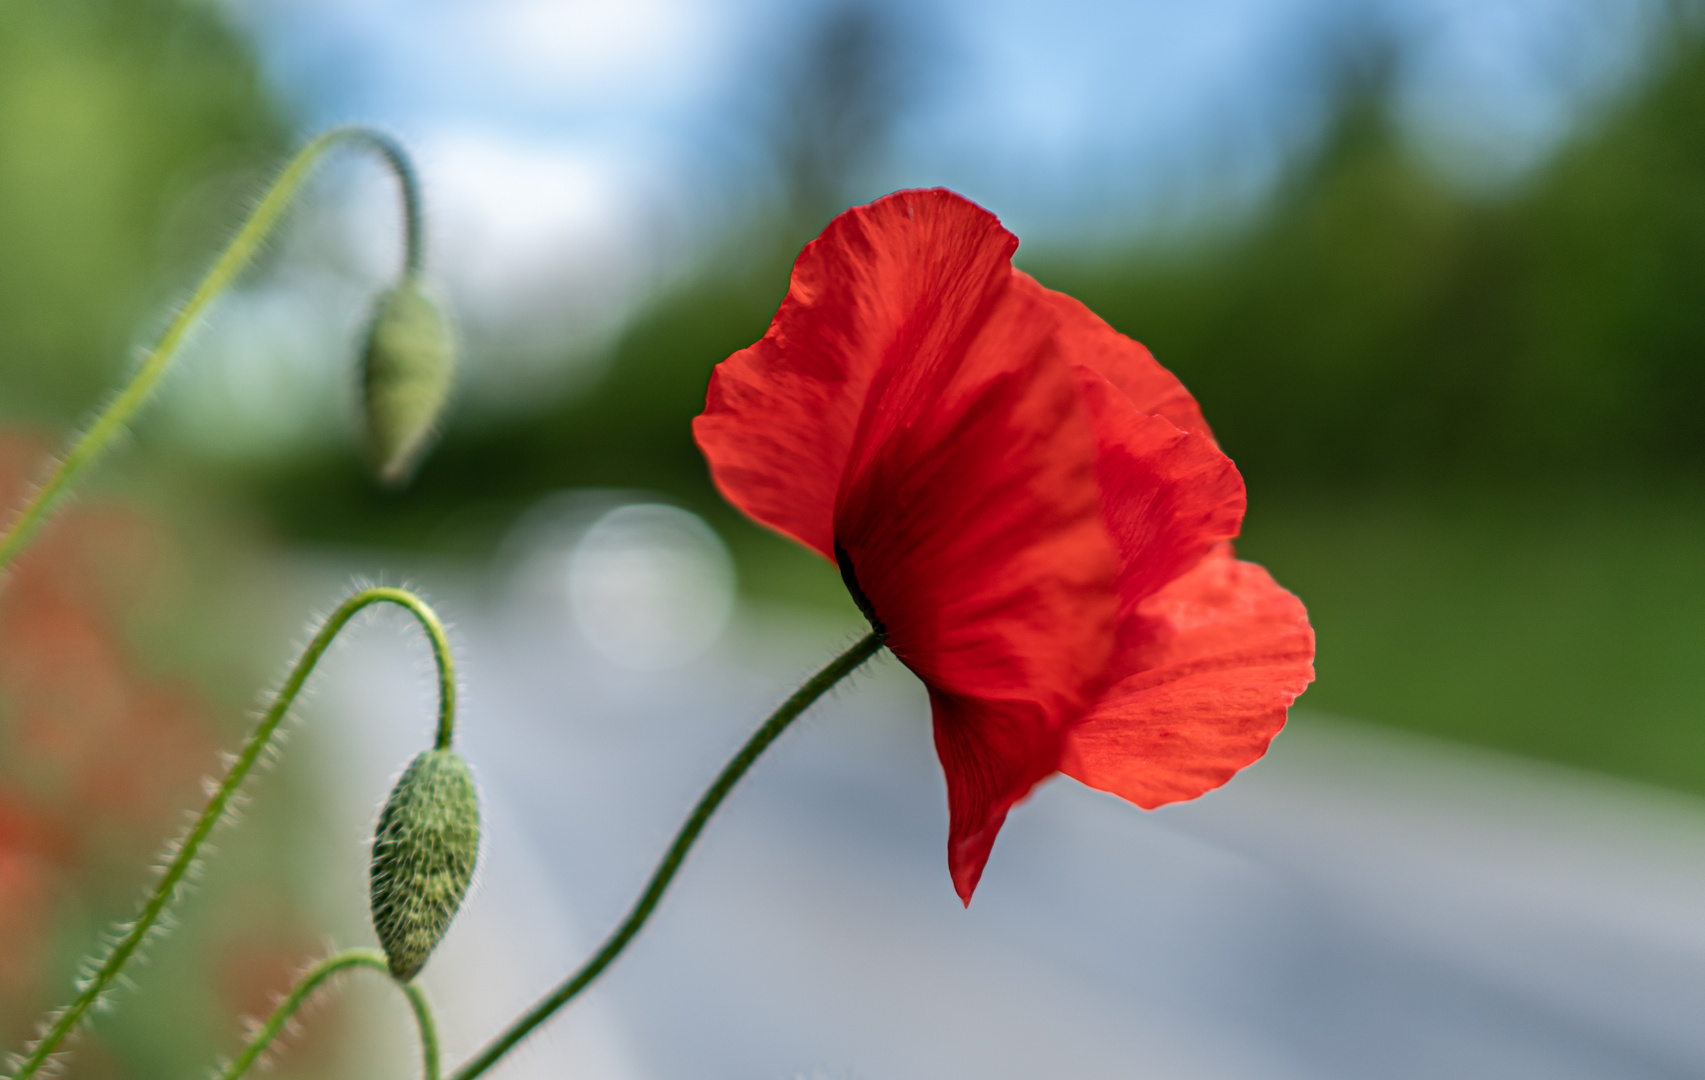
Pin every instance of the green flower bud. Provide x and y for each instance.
(423, 857)
(406, 377)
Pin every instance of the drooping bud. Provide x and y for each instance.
(423, 857)
(406, 378)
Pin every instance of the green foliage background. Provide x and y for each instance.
(112, 116)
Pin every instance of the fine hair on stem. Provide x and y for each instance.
(310, 982)
(180, 867)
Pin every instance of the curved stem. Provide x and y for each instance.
(423, 1023)
(312, 981)
(837, 669)
(172, 879)
(237, 254)
(408, 187)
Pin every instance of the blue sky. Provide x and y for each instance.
(1054, 110)
(578, 152)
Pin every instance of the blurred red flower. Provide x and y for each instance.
(1026, 504)
(97, 755)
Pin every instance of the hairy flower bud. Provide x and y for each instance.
(423, 857)
(406, 378)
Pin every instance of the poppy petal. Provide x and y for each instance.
(908, 275)
(971, 521)
(992, 754)
(1227, 651)
(1127, 364)
(1168, 496)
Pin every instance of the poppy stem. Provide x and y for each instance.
(814, 688)
(112, 420)
(312, 981)
(172, 879)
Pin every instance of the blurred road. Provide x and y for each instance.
(1359, 905)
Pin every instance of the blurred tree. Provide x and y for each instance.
(1349, 335)
(111, 111)
(850, 82)
(1377, 325)
(1612, 315)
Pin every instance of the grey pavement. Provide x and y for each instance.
(1359, 905)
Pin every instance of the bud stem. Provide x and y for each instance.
(838, 668)
(312, 981)
(172, 879)
(111, 421)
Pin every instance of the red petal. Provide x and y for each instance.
(1126, 364)
(1225, 651)
(992, 754)
(909, 276)
(971, 518)
(1168, 496)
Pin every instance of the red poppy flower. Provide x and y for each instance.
(1023, 501)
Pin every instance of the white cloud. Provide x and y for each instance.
(593, 47)
(543, 247)
(509, 209)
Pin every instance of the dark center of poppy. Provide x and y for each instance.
(851, 578)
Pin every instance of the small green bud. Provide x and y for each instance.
(406, 377)
(423, 857)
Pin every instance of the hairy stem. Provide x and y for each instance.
(113, 419)
(172, 879)
(312, 981)
(814, 688)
